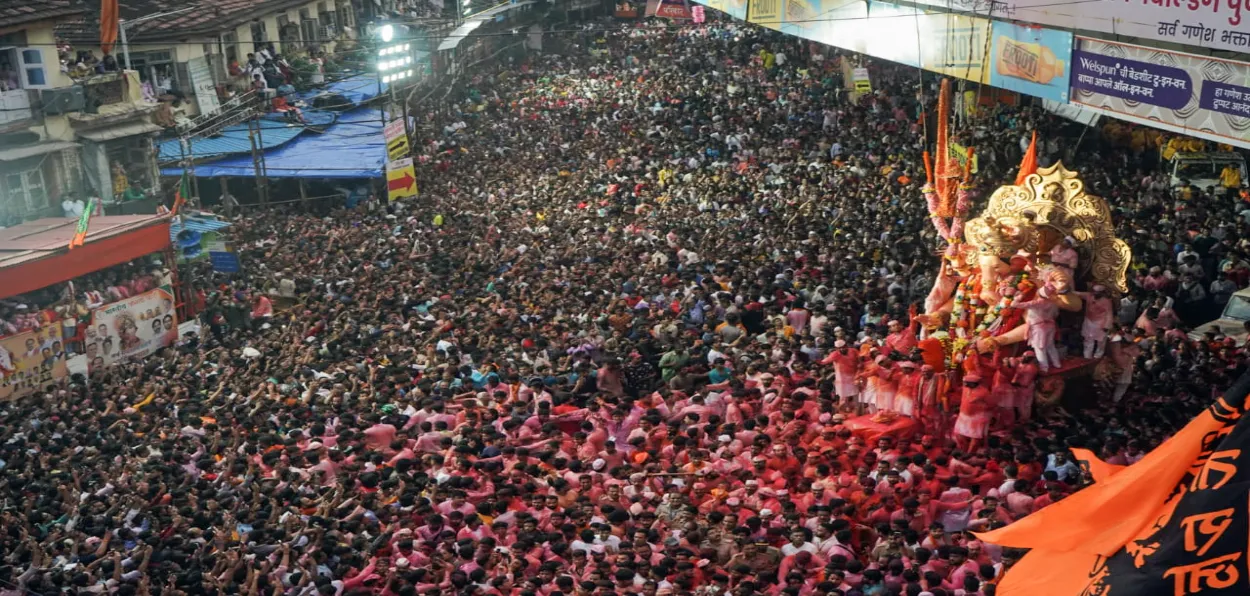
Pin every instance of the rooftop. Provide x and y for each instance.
(21, 12)
(209, 17)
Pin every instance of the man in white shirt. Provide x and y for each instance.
(798, 543)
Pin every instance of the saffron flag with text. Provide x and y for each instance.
(1175, 523)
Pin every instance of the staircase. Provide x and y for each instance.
(238, 109)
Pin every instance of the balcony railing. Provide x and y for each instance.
(105, 89)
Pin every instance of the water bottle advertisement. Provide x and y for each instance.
(1031, 60)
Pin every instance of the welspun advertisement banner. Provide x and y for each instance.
(1196, 95)
(131, 328)
(1031, 60)
(1215, 24)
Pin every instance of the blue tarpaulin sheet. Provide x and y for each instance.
(233, 139)
(351, 148)
(357, 89)
(311, 117)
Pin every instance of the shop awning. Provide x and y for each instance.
(17, 153)
(34, 255)
(99, 135)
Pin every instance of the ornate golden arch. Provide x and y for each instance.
(1054, 201)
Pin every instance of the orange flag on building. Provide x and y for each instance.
(108, 25)
(1175, 523)
(1028, 165)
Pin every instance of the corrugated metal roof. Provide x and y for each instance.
(17, 153)
(38, 238)
(19, 12)
(233, 139)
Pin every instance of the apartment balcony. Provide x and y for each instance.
(111, 98)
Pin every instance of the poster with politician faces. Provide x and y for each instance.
(131, 328)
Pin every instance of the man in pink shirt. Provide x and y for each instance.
(379, 436)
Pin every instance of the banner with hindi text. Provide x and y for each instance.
(1189, 94)
(1213, 24)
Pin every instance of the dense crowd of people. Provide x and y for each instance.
(592, 356)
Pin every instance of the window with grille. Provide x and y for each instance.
(346, 16)
(327, 19)
(27, 193)
(230, 46)
(259, 36)
(308, 27)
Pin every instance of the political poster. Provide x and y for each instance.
(1212, 24)
(1189, 94)
(131, 328)
(1031, 60)
(31, 361)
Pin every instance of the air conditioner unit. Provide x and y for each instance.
(63, 100)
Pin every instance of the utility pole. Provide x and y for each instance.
(262, 190)
(264, 168)
(188, 163)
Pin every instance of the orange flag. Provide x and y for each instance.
(1097, 469)
(1173, 523)
(108, 25)
(1028, 165)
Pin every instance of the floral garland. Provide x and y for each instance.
(931, 201)
(967, 295)
(1022, 284)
